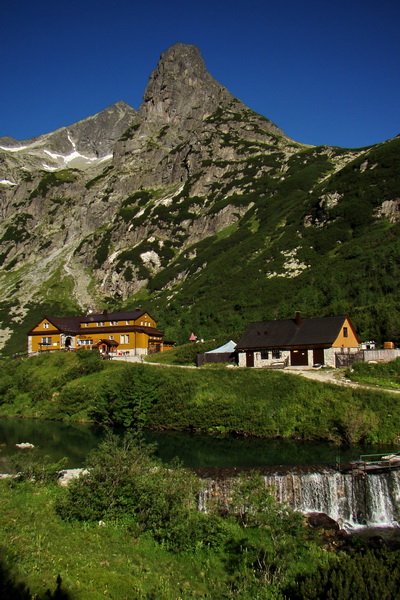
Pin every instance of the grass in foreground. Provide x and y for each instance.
(129, 528)
(93, 561)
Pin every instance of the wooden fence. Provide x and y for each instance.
(215, 357)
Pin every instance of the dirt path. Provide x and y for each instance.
(336, 377)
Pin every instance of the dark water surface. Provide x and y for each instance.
(76, 440)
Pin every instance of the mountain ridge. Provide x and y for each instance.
(194, 201)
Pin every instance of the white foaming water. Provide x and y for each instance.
(372, 500)
(355, 502)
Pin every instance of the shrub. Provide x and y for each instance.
(127, 398)
(28, 464)
(124, 481)
(364, 575)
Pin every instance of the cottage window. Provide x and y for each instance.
(345, 332)
(86, 324)
(276, 354)
(124, 339)
(110, 337)
(46, 341)
(264, 354)
(113, 322)
(127, 322)
(46, 325)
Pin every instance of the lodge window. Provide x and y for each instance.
(345, 332)
(85, 342)
(124, 339)
(264, 354)
(100, 324)
(127, 322)
(46, 341)
(276, 354)
(86, 324)
(110, 337)
(46, 325)
(113, 322)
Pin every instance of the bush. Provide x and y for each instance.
(28, 464)
(126, 398)
(124, 481)
(363, 576)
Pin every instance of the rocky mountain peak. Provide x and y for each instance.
(181, 86)
(196, 203)
(95, 135)
(84, 144)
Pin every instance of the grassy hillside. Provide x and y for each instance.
(315, 231)
(79, 386)
(317, 241)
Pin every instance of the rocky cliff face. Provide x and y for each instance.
(194, 189)
(86, 144)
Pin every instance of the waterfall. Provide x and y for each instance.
(372, 500)
(353, 501)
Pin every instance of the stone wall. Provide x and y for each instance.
(329, 358)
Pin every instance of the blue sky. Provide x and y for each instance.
(324, 72)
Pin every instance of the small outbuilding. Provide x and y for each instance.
(222, 354)
(297, 342)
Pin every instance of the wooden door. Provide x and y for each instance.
(318, 356)
(299, 358)
(249, 359)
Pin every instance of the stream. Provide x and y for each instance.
(305, 475)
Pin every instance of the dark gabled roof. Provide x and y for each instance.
(289, 333)
(113, 316)
(63, 324)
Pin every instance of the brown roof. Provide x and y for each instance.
(292, 333)
(107, 342)
(113, 316)
(63, 324)
(71, 325)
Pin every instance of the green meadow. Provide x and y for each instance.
(80, 387)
